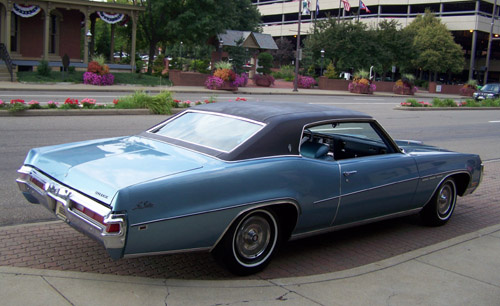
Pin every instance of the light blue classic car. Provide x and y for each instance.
(240, 178)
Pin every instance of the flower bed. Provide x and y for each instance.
(98, 74)
(362, 86)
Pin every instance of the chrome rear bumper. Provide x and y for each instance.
(64, 203)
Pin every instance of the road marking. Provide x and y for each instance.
(350, 103)
(369, 99)
(497, 121)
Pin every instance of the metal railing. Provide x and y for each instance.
(4, 55)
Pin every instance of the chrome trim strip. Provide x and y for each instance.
(446, 175)
(327, 199)
(354, 224)
(380, 186)
(262, 203)
(135, 255)
(60, 200)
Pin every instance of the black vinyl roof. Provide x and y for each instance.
(267, 112)
(284, 123)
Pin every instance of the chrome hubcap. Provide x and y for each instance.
(444, 200)
(253, 236)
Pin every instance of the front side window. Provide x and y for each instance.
(343, 140)
(212, 131)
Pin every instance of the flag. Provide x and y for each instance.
(347, 6)
(317, 8)
(305, 7)
(363, 7)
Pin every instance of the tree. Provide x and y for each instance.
(284, 54)
(396, 47)
(349, 45)
(436, 49)
(193, 21)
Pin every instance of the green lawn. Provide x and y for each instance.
(77, 77)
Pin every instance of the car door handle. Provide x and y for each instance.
(349, 173)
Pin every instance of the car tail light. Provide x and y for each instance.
(113, 228)
(91, 214)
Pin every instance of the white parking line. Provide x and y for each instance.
(496, 121)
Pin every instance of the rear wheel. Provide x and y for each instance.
(440, 208)
(250, 243)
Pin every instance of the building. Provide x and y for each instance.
(470, 21)
(48, 29)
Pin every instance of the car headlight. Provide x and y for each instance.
(490, 96)
(475, 94)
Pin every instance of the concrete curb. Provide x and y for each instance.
(461, 108)
(81, 112)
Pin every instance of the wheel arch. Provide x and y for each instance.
(462, 181)
(286, 210)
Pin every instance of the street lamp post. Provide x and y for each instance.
(297, 53)
(221, 44)
(89, 39)
(322, 61)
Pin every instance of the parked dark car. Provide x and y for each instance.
(488, 91)
(239, 179)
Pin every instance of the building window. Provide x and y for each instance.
(53, 34)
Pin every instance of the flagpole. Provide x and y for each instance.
(359, 9)
(296, 81)
(338, 17)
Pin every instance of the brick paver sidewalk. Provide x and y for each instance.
(56, 246)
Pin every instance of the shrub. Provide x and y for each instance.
(223, 65)
(263, 78)
(330, 72)
(199, 65)
(159, 65)
(266, 61)
(286, 72)
(43, 68)
(306, 81)
(436, 102)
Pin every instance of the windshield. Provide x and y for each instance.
(490, 87)
(213, 131)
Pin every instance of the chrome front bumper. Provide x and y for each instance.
(63, 202)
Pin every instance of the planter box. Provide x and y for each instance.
(467, 92)
(264, 82)
(403, 90)
(362, 90)
(181, 78)
(332, 84)
(444, 89)
(228, 86)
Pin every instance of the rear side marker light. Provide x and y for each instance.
(113, 228)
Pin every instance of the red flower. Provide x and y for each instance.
(14, 101)
(71, 101)
(115, 101)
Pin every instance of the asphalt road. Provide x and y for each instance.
(465, 131)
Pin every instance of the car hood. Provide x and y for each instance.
(411, 146)
(100, 168)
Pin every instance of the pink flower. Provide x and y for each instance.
(32, 102)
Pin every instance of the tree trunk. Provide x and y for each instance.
(112, 44)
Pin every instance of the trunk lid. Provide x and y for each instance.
(100, 168)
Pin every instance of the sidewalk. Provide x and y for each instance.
(280, 88)
(462, 271)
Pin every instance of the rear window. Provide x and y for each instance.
(218, 132)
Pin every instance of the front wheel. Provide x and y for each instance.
(438, 211)
(250, 243)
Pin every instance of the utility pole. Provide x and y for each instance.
(296, 81)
